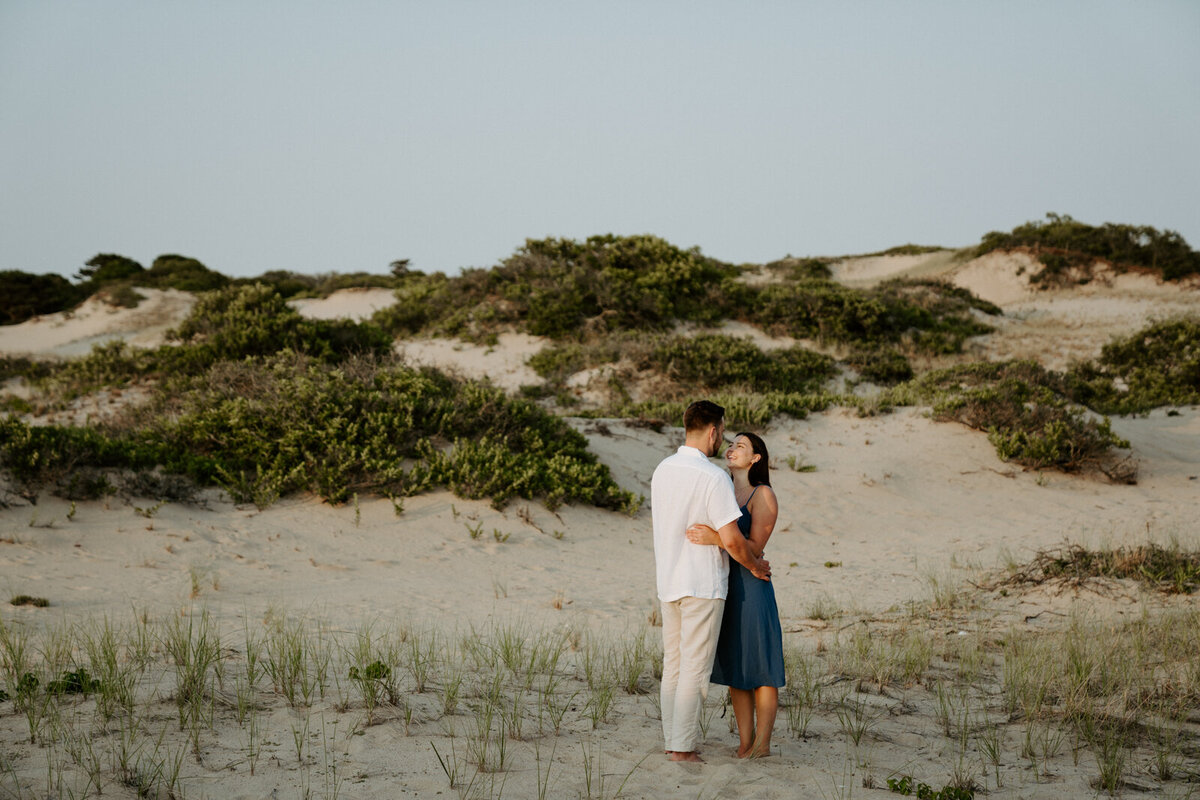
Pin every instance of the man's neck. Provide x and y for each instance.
(700, 444)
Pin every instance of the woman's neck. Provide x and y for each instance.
(741, 479)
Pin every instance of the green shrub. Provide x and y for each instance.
(335, 282)
(1029, 423)
(741, 410)
(1062, 242)
(882, 365)
(801, 269)
(231, 324)
(293, 284)
(104, 268)
(1026, 410)
(569, 290)
(561, 288)
(909, 250)
(932, 316)
(111, 364)
(1157, 366)
(286, 284)
(180, 272)
(263, 428)
(23, 367)
(427, 303)
(557, 362)
(24, 295)
(715, 361)
(122, 294)
(255, 320)
(823, 310)
(58, 456)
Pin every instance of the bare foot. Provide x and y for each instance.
(744, 750)
(693, 757)
(758, 752)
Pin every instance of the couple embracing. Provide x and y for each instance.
(720, 620)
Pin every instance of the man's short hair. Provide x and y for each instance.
(701, 414)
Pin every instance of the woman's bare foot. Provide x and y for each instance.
(693, 757)
(745, 750)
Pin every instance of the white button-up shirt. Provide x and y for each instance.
(687, 489)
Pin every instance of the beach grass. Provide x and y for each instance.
(997, 705)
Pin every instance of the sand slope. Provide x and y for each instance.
(897, 507)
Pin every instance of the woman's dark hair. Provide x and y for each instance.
(760, 473)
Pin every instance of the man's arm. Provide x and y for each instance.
(739, 550)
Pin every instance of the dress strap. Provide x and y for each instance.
(751, 497)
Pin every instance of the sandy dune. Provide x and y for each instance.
(896, 507)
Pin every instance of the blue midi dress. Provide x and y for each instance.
(750, 647)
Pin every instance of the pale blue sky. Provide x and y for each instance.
(340, 136)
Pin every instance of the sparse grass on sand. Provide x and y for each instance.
(943, 694)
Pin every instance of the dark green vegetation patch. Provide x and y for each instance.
(255, 398)
(1061, 243)
(263, 403)
(561, 288)
(609, 285)
(1157, 366)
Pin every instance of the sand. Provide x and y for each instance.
(895, 507)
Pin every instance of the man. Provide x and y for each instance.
(693, 579)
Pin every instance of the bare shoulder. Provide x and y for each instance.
(764, 499)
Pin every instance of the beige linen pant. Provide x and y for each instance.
(690, 629)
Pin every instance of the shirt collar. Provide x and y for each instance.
(688, 450)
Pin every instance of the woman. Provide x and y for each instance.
(750, 650)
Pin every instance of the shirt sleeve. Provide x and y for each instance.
(722, 503)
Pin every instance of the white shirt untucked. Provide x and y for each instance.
(687, 489)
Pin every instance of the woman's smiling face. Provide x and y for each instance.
(740, 454)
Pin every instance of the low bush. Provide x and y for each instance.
(104, 268)
(909, 250)
(231, 324)
(255, 320)
(285, 283)
(562, 289)
(1025, 411)
(930, 316)
(289, 284)
(1157, 366)
(1062, 242)
(65, 458)
(172, 271)
(263, 428)
(717, 361)
(569, 290)
(121, 294)
(883, 365)
(557, 361)
(741, 410)
(24, 295)
(801, 269)
(23, 367)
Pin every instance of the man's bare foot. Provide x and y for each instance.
(693, 757)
